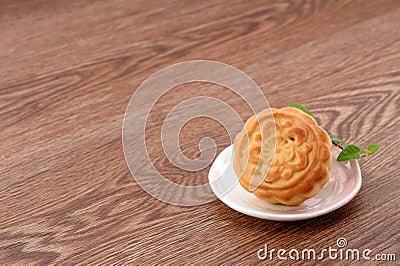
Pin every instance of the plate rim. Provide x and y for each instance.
(290, 216)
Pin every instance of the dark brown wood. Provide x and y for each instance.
(69, 68)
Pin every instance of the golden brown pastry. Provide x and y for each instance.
(289, 168)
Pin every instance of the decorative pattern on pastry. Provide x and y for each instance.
(287, 167)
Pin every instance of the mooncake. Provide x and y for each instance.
(282, 156)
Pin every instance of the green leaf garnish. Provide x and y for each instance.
(351, 152)
(335, 139)
(301, 107)
(372, 149)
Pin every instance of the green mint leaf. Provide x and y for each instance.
(301, 107)
(335, 139)
(372, 149)
(351, 152)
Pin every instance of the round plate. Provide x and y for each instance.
(343, 185)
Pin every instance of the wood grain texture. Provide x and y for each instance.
(69, 68)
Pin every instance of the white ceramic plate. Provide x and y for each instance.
(344, 184)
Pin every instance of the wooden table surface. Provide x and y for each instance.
(69, 68)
